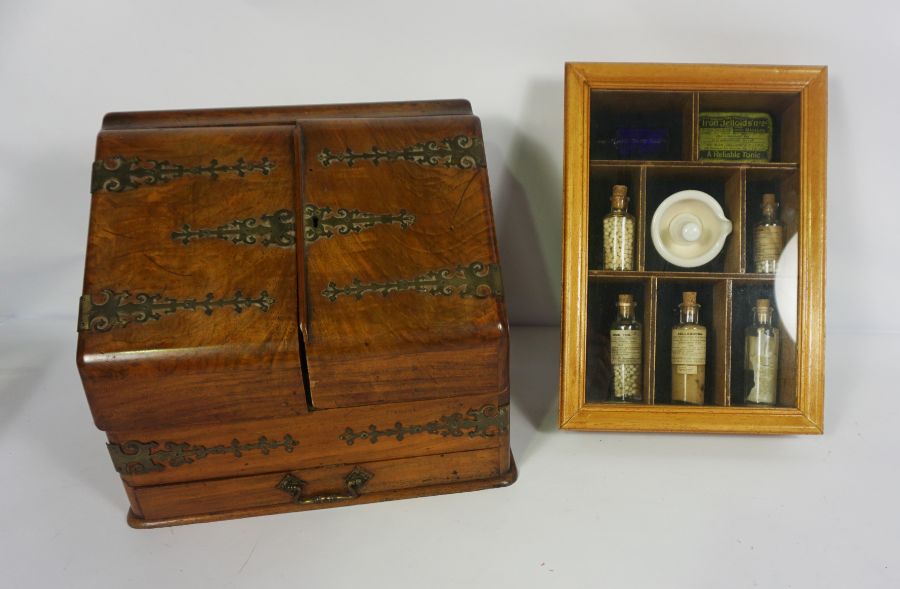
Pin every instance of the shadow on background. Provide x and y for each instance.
(534, 379)
(23, 364)
(43, 408)
(524, 155)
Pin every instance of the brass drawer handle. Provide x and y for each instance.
(355, 481)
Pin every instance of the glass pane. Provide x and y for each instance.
(692, 295)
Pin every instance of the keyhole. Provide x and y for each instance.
(315, 221)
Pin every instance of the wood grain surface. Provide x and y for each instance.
(321, 439)
(294, 290)
(281, 115)
(254, 496)
(359, 349)
(187, 366)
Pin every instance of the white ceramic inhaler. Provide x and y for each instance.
(689, 228)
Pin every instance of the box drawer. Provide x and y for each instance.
(326, 486)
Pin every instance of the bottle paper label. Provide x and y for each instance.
(735, 136)
(625, 346)
(686, 369)
(689, 345)
(767, 243)
(762, 356)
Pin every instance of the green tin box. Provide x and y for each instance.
(735, 136)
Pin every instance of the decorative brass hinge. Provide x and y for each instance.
(134, 457)
(354, 481)
(461, 151)
(279, 228)
(116, 311)
(321, 222)
(276, 229)
(119, 173)
(476, 280)
(487, 422)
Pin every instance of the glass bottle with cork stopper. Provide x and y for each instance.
(688, 353)
(625, 345)
(768, 237)
(761, 341)
(618, 232)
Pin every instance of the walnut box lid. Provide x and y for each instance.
(255, 263)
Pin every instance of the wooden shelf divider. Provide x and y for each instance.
(638, 275)
(695, 127)
(761, 166)
(651, 309)
(722, 324)
(641, 229)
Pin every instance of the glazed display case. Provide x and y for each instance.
(722, 169)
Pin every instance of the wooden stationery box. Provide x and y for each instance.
(293, 307)
(658, 132)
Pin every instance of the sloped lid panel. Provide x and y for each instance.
(189, 307)
(401, 271)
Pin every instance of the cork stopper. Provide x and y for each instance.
(689, 310)
(763, 311)
(625, 305)
(619, 198)
(625, 302)
(769, 204)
